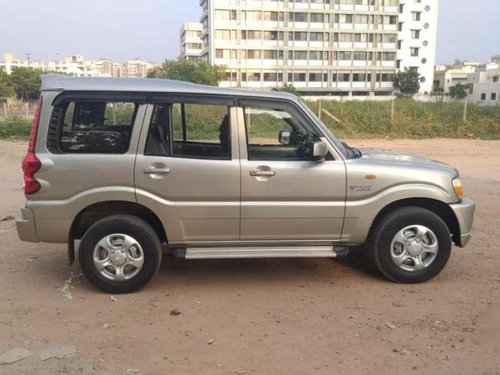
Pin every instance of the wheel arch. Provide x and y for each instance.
(97, 211)
(438, 207)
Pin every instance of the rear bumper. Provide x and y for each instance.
(464, 211)
(26, 229)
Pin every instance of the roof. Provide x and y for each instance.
(53, 82)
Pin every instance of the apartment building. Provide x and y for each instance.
(321, 47)
(10, 61)
(136, 68)
(79, 66)
(486, 83)
(191, 43)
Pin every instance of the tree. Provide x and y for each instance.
(196, 71)
(5, 85)
(287, 88)
(406, 83)
(459, 91)
(26, 82)
(439, 93)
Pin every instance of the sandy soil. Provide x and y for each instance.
(292, 316)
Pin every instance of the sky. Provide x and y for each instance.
(149, 29)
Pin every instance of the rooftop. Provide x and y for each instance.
(53, 82)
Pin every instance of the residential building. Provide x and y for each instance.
(136, 68)
(78, 66)
(321, 47)
(191, 43)
(486, 83)
(10, 61)
(446, 76)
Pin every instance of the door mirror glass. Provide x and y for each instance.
(319, 151)
(284, 137)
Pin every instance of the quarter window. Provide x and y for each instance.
(95, 127)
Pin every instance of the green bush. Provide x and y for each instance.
(412, 119)
(15, 128)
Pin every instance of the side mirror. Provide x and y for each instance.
(284, 137)
(319, 151)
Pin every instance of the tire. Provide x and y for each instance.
(410, 245)
(120, 254)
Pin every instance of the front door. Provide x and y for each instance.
(187, 170)
(285, 194)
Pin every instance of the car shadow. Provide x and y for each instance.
(224, 271)
(361, 265)
(52, 268)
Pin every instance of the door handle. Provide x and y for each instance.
(257, 173)
(153, 170)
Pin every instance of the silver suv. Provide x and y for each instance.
(129, 169)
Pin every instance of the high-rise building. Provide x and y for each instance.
(191, 43)
(321, 47)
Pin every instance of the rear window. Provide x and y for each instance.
(93, 127)
(187, 130)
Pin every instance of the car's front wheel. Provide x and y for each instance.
(120, 254)
(410, 245)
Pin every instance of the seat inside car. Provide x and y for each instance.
(157, 143)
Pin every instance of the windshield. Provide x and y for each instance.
(347, 151)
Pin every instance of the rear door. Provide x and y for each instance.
(285, 194)
(187, 169)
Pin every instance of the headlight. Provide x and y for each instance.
(457, 186)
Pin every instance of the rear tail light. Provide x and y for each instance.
(31, 164)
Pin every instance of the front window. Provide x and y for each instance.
(274, 134)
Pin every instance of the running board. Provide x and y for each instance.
(260, 252)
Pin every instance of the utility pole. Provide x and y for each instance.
(466, 103)
(465, 109)
(393, 109)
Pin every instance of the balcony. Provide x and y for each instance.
(318, 62)
(344, 63)
(360, 63)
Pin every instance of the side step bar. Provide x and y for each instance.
(260, 252)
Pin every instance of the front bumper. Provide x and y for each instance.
(26, 229)
(464, 212)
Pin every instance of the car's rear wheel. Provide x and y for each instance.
(410, 245)
(120, 254)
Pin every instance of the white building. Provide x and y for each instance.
(78, 66)
(136, 68)
(448, 76)
(417, 39)
(191, 43)
(10, 61)
(486, 83)
(321, 47)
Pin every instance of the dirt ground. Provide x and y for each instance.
(287, 316)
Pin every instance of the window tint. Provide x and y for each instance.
(274, 134)
(97, 127)
(190, 130)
